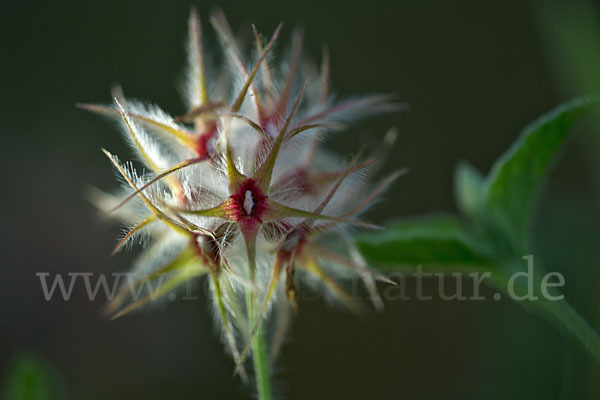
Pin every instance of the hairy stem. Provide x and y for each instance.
(260, 356)
(261, 366)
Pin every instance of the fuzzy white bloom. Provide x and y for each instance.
(240, 190)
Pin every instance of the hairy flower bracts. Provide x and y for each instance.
(238, 189)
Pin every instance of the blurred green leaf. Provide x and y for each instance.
(500, 209)
(468, 190)
(513, 185)
(435, 241)
(27, 377)
(570, 31)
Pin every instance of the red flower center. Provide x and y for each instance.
(248, 204)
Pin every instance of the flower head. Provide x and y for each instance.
(239, 188)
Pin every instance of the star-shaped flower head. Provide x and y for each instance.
(239, 188)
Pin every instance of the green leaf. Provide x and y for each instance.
(439, 242)
(28, 377)
(514, 183)
(443, 244)
(468, 190)
(500, 208)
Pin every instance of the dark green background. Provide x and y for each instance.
(473, 72)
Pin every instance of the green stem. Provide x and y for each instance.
(259, 353)
(571, 322)
(261, 366)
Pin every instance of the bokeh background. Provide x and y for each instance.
(474, 73)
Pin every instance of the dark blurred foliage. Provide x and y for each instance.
(474, 73)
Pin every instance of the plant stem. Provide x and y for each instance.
(570, 321)
(261, 366)
(260, 357)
